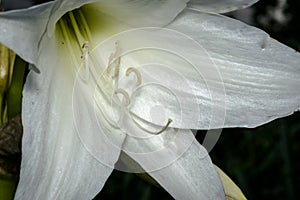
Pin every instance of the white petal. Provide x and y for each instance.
(197, 178)
(22, 30)
(261, 76)
(217, 6)
(55, 162)
(185, 175)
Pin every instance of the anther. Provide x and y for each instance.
(126, 100)
(85, 45)
(137, 74)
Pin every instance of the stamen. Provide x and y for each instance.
(125, 94)
(137, 74)
(115, 55)
(85, 55)
(110, 59)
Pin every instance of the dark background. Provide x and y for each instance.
(264, 161)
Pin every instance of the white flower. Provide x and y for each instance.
(261, 79)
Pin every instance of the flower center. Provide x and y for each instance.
(112, 100)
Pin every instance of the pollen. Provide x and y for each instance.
(115, 59)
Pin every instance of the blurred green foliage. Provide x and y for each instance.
(7, 187)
